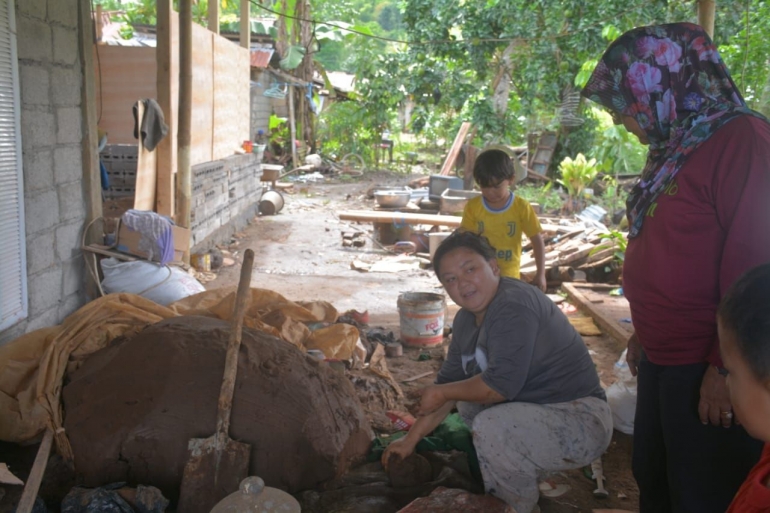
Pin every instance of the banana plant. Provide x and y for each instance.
(577, 174)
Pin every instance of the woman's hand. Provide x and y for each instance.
(402, 448)
(431, 399)
(714, 405)
(540, 281)
(634, 354)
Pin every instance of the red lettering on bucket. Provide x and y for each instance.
(431, 326)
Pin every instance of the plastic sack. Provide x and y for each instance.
(158, 283)
(621, 396)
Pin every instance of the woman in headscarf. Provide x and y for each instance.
(699, 217)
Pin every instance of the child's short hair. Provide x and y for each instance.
(463, 239)
(745, 310)
(492, 167)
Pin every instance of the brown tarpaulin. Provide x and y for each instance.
(33, 366)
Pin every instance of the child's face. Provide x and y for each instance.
(750, 396)
(497, 195)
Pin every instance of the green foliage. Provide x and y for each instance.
(615, 148)
(613, 239)
(544, 195)
(746, 55)
(577, 174)
(574, 140)
(293, 57)
(613, 197)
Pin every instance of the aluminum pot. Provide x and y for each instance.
(392, 199)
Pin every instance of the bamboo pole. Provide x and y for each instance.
(164, 194)
(706, 11)
(183, 175)
(89, 147)
(292, 127)
(245, 24)
(213, 12)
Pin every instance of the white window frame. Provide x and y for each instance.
(13, 288)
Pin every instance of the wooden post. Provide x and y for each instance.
(92, 182)
(455, 149)
(28, 496)
(292, 127)
(706, 10)
(214, 16)
(164, 199)
(183, 174)
(245, 24)
(99, 27)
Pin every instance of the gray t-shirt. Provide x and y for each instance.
(525, 349)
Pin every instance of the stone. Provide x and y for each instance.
(67, 164)
(32, 8)
(302, 420)
(73, 274)
(33, 40)
(71, 202)
(69, 120)
(67, 90)
(43, 320)
(68, 241)
(44, 291)
(40, 254)
(70, 304)
(450, 499)
(35, 83)
(41, 212)
(37, 129)
(65, 46)
(63, 13)
(38, 171)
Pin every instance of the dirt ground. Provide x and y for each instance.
(299, 254)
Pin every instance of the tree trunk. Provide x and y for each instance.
(501, 86)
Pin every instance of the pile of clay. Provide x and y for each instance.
(131, 408)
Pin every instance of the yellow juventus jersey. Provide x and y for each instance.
(503, 228)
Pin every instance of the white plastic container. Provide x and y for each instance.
(434, 239)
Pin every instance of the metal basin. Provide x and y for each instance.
(392, 199)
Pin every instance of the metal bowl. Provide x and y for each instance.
(392, 199)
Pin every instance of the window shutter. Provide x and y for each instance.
(13, 262)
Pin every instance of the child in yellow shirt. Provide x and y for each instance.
(502, 216)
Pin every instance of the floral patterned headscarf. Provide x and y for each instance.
(672, 80)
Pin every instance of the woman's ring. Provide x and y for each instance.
(728, 414)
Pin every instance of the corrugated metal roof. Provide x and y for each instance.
(260, 58)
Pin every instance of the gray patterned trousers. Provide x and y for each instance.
(516, 442)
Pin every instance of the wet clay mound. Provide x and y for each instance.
(131, 408)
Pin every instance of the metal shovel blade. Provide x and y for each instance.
(206, 481)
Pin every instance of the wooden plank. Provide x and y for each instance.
(165, 85)
(456, 147)
(202, 109)
(89, 146)
(146, 177)
(28, 496)
(231, 99)
(605, 322)
(399, 217)
(123, 75)
(245, 26)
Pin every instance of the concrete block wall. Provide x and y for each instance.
(224, 193)
(51, 130)
(261, 105)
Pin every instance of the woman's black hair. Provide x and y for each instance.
(492, 167)
(463, 239)
(745, 310)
